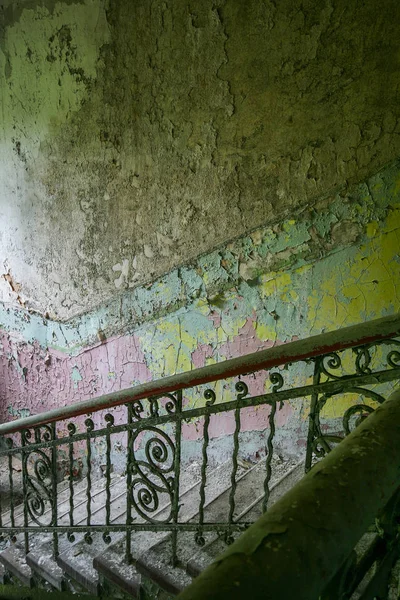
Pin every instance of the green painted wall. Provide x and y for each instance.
(136, 136)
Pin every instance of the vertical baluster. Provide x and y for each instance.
(72, 431)
(1, 513)
(89, 428)
(269, 454)
(277, 380)
(209, 395)
(11, 481)
(110, 422)
(55, 487)
(24, 436)
(242, 390)
(312, 415)
(129, 461)
(177, 468)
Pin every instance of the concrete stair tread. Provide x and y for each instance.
(46, 567)
(79, 565)
(113, 568)
(14, 560)
(155, 563)
(63, 506)
(152, 551)
(41, 558)
(218, 482)
(201, 559)
(156, 566)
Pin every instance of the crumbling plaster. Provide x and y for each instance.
(136, 136)
(334, 266)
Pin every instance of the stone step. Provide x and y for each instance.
(108, 563)
(78, 562)
(14, 561)
(46, 567)
(151, 551)
(63, 498)
(204, 557)
(41, 557)
(155, 564)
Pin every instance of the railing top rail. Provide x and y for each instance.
(298, 350)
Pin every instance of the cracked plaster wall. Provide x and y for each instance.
(336, 265)
(130, 131)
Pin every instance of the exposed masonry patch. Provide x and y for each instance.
(15, 287)
(238, 268)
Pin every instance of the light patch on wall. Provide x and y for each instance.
(76, 376)
(20, 413)
(49, 80)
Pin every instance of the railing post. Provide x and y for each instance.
(54, 467)
(129, 466)
(177, 470)
(296, 547)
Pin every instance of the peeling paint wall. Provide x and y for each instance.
(131, 131)
(336, 265)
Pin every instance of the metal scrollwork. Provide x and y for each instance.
(89, 425)
(277, 381)
(39, 486)
(44, 433)
(88, 538)
(393, 359)
(109, 419)
(150, 476)
(156, 405)
(199, 538)
(210, 396)
(137, 409)
(363, 410)
(242, 390)
(71, 429)
(322, 442)
(38, 475)
(363, 360)
(106, 537)
(328, 363)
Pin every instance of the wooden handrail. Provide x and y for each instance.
(347, 337)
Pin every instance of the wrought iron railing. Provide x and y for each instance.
(316, 542)
(142, 432)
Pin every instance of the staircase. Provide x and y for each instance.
(97, 567)
(103, 500)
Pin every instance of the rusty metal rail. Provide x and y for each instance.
(300, 350)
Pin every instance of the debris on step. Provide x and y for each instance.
(14, 561)
(46, 567)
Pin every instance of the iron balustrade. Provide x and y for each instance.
(360, 361)
(303, 547)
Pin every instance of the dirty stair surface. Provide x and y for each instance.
(89, 564)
